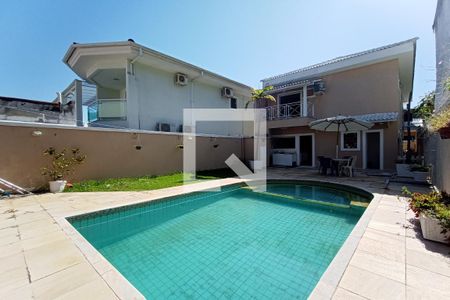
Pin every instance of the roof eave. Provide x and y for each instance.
(135, 46)
(332, 67)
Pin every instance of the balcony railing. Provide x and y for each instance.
(104, 109)
(289, 111)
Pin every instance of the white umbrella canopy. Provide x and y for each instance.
(340, 123)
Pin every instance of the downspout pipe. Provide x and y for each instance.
(408, 152)
(140, 54)
(192, 88)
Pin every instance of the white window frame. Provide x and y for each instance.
(358, 143)
(297, 146)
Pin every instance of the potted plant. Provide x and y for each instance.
(62, 164)
(420, 173)
(261, 94)
(440, 122)
(433, 211)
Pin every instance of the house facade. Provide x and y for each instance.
(28, 110)
(140, 88)
(372, 85)
(437, 150)
(441, 29)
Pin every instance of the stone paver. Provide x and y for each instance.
(43, 257)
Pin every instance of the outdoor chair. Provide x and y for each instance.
(324, 165)
(320, 158)
(348, 168)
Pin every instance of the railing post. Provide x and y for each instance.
(79, 103)
(304, 111)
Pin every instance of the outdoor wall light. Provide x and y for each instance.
(138, 147)
(180, 146)
(36, 133)
(216, 145)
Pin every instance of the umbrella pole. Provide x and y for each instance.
(337, 141)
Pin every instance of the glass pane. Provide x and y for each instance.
(351, 140)
(112, 109)
(283, 143)
(290, 98)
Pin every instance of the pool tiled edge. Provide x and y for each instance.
(325, 288)
(115, 280)
(329, 281)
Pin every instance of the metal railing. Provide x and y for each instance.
(104, 109)
(289, 111)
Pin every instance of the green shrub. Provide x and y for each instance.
(419, 168)
(434, 204)
(62, 163)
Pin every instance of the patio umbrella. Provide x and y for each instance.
(340, 123)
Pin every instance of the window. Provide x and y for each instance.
(290, 98)
(233, 103)
(283, 143)
(350, 141)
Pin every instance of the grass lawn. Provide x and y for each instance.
(144, 183)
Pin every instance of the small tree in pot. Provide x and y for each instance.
(62, 164)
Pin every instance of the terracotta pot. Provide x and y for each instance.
(444, 133)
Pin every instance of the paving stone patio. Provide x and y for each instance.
(43, 257)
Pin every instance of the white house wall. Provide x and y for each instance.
(154, 98)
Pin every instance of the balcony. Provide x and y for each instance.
(289, 114)
(289, 111)
(107, 109)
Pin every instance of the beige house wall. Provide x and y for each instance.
(365, 90)
(110, 153)
(325, 143)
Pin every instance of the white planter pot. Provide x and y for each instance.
(255, 164)
(403, 170)
(431, 229)
(57, 186)
(420, 176)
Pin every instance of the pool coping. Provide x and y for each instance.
(124, 289)
(113, 278)
(329, 282)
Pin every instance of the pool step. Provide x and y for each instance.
(312, 201)
(359, 203)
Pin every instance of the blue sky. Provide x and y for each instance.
(245, 40)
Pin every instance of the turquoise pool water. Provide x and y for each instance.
(234, 244)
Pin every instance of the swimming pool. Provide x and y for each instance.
(236, 243)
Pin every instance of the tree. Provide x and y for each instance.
(261, 94)
(426, 106)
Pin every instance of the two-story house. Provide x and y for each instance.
(140, 88)
(371, 85)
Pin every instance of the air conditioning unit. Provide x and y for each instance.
(181, 79)
(227, 92)
(163, 127)
(319, 87)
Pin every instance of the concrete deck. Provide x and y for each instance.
(43, 257)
